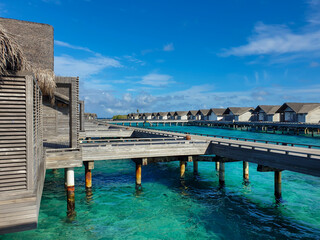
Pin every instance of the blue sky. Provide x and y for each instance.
(182, 55)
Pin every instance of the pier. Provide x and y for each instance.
(44, 128)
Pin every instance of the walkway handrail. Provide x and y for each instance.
(89, 141)
(248, 139)
(144, 143)
(268, 149)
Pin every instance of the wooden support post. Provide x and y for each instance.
(88, 167)
(70, 193)
(138, 174)
(221, 174)
(277, 185)
(246, 171)
(182, 169)
(195, 167)
(217, 166)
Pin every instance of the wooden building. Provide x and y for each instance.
(39, 118)
(181, 115)
(215, 114)
(170, 115)
(162, 115)
(266, 113)
(135, 116)
(192, 114)
(300, 112)
(22, 162)
(154, 115)
(147, 116)
(90, 116)
(202, 114)
(242, 114)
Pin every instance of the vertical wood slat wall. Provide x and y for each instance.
(20, 132)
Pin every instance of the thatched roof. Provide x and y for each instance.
(238, 110)
(162, 114)
(180, 113)
(268, 109)
(193, 112)
(147, 114)
(94, 115)
(204, 112)
(217, 111)
(13, 60)
(301, 108)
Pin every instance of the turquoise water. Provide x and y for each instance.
(167, 210)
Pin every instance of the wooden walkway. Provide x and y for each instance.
(285, 157)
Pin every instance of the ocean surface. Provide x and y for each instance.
(167, 210)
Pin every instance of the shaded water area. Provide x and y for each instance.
(166, 210)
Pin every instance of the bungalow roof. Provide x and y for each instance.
(237, 110)
(203, 112)
(299, 107)
(162, 114)
(268, 109)
(180, 113)
(192, 112)
(217, 111)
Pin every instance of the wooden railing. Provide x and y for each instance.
(242, 139)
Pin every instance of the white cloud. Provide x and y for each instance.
(108, 103)
(64, 44)
(66, 65)
(156, 80)
(168, 48)
(277, 39)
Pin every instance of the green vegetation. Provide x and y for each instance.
(119, 117)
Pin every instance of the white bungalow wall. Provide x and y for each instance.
(183, 117)
(313, 116)
(243, 117)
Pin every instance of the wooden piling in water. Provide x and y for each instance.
(88, 167)
(195, 167)
(138, 174)
(277, 185)
(222, 174)
(182, 169)
(217, 166)
(245, 171)
(70, 192)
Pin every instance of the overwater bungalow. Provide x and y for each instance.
(162, 115)
(90, 116)
(135, 116)
(300, 112)
(215, 114)
(154, 115)
(180, 115)
(242, 114)
(202, 114)
(129, 116)
(266, 113)
(147, 116)
(170, 115)
(192, 114)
